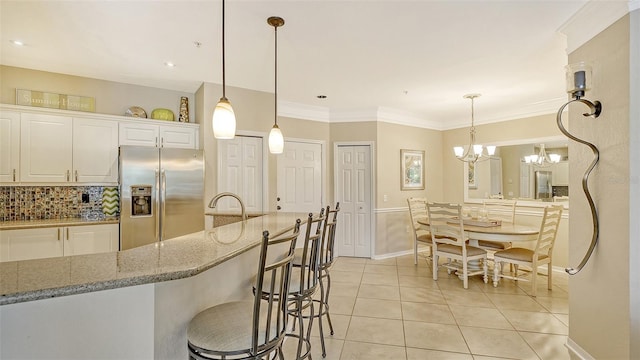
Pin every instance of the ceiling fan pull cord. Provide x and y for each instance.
(595, 108)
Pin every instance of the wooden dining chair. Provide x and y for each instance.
(421, 235)
(542, 254)
(449, 240)
(503, 210)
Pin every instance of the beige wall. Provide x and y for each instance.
(604, 283)
(111, 97)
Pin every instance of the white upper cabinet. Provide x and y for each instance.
(68, 150)
(95, 151)
(45, 148)
(9, 146)
(171, 136)
(560, 174)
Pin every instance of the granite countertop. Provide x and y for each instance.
(172, 259)
(32, 224)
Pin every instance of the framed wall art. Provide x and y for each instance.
(411, 169)
(471, 176)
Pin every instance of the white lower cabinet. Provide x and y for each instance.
(25, 244)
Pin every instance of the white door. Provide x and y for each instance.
(240, 172)
(353, 192)
(300, 177)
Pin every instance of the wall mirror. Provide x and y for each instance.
(516, 172)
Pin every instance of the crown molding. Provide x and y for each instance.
(302, 111)
(593, 18)
(400, 117)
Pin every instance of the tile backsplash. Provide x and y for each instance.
(50, 202)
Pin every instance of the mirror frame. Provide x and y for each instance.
(539, 204)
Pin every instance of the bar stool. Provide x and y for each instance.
(304, 283)
(254, 328)
(326, 260)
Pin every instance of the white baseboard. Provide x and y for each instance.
(576, 350)
(396, 254)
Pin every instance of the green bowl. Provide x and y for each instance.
(162, 114)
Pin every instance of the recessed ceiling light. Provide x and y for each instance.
(17, 42)
(321, 96)
(169, 64)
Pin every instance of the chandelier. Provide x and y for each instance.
(474, 152)
(542, 159)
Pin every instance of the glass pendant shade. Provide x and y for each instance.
(276, 140)
(224, 120)
(458, 150)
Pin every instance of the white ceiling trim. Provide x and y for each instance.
(302, 111)
(593, 18)
(395, 116)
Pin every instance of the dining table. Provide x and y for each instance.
(501, 232)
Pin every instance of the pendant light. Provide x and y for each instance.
(224, 120)
(542, 159)
(474, 152)
(276, 140)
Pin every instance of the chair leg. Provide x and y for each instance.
(435, 266)
(549, 274)
(465, 275)
(496, 272)
(485, 268)
(415, 252)
(534, 279)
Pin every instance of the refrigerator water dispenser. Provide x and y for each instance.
(140, 200)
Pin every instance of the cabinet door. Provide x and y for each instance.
(45, 148)
(178, 137)
(91, 239)
(30, 244)
(9, 146)
(560, 174)
(138, 134)
(95, 151)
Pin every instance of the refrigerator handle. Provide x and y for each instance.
(157, 216)
(163, 200)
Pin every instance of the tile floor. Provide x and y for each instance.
(392, 309)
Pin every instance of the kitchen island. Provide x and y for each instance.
(132, 304)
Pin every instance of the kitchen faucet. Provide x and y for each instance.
(214, 202)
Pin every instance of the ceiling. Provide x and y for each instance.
(412, 59)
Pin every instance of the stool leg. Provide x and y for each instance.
(326, 300)
(324, 351)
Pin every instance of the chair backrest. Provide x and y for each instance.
(268, 330)
(548, 229)
(329, 237)
(309, 263)
(417, 211)
(445, 222)
(504, 210)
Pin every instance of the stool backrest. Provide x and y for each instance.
(309, 264)
(329, 237)
(270, 309)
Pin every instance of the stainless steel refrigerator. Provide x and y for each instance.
(161, 192)
(543, 185)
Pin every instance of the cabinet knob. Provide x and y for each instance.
(278, 207)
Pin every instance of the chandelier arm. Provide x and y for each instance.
(595, 108)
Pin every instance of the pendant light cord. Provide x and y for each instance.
(276, 77)
(223, 67)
